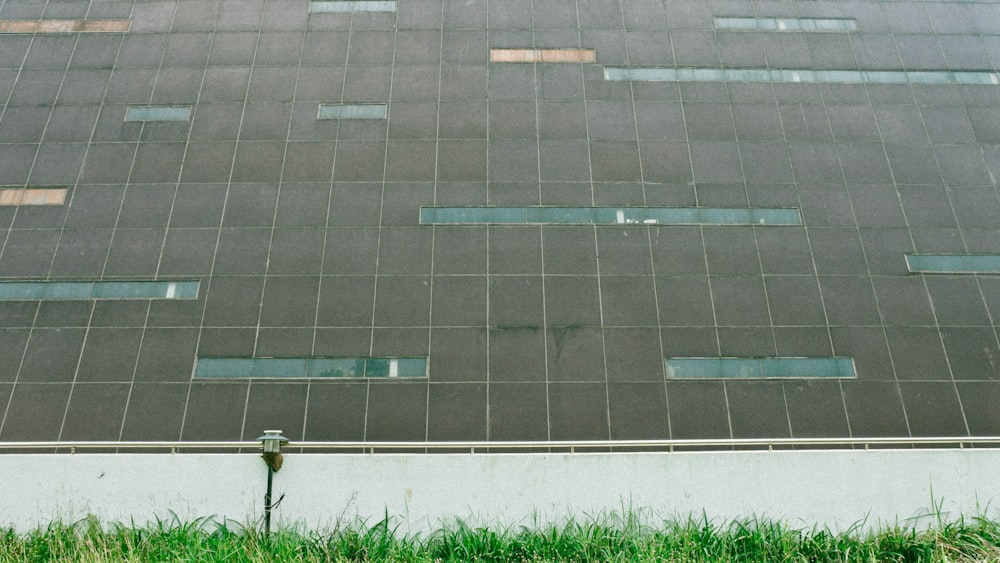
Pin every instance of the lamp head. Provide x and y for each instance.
(272, 440)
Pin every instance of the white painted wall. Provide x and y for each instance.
(829, 488)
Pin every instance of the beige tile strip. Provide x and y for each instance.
(542, 55)
(64, 26)
(33, 196)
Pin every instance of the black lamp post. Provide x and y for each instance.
(271, 442)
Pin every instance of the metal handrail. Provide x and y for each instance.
(486, 446)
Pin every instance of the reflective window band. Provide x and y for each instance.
(46, 291)
(33, 196)
(610, 215)
(342, 7)
(158, 113)
(352, 111)
(760, 368)
(786, 24)
(542, 55)
(311, 367)
(65, 26)
(953, 263)
(802, 76)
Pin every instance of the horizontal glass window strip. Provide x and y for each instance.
(311, 367)
(46, 291)
(802, 75)
(760, 368)
(33, 196)
(352, 111)
(158, 113)
(786, 24)
(341, 7)
(954, 263)
(610, 215)
(64, 26)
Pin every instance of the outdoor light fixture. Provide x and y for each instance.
(271, 442)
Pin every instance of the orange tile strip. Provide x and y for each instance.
(64, 26)
(542, 56)
(35, 196)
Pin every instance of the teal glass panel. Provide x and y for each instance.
(928, 77)
(224, 367)
(736, 23)
(566, 215)
(760, 368)
(693, 367)
(839, 76)
(65, 290)
(158, 113)
(282, 368)
(807, 367)
(98, 290)
(699, 368)
(411, 367)
(610, 215)
(129, 290)
(336, 367)
(183, 290)
(18, 290)
(377, 367)
(954, 263)
(786, 24)
(278, 367)
(346, 7)
(352, 111)
(802, 75)
(884, 77)
(787, 216)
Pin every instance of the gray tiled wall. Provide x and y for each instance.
(305, 233)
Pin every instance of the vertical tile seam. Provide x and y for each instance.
(222, 214)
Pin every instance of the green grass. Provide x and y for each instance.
(608, 538)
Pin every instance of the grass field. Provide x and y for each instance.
(614, 538)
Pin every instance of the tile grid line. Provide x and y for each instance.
(218, 237)
(431, 277)
(93, 131)
(704, 247)
(541, 239)
(27, 343)
(756, 240)
(55, 254)
(649, 239)
(815, 270)
(590, 176)
(326, 231)
(274, 226)
(167, 227)
(878, 304)
(381, 213)
(487, 229)
(937, 326)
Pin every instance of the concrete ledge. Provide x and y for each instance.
(837, 489)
